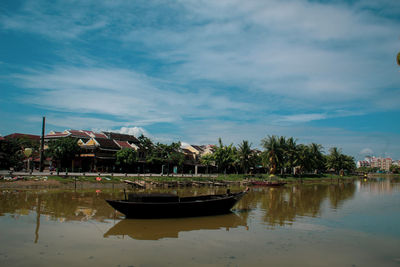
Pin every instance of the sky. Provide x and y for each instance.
(194, 70)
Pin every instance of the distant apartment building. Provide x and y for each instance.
(363, 163)
(381, 163)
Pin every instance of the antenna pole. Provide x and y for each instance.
(41, 166)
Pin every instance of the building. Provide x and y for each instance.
(22, 136)
(196, 151)
(381, 163)
(97, 149)
(363, 163)
(193, 154)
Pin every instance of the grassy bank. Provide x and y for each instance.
(160, 179)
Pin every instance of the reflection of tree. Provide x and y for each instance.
(283, 205)
(64, 205)
(339, 193)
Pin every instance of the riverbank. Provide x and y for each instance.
(112, 181)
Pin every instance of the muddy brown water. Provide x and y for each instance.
(352, 224)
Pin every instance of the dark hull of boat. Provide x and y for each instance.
(186, 207)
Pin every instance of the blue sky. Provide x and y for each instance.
(320, 71)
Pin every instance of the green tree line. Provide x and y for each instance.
(280, 155)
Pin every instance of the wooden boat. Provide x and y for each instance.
(169, 205)
(268, 183)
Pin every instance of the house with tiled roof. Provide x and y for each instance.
(95, 135)
(22, 135)
(197, 151)
(193, 154)
(55, 135)
(98, 149)
(126, 144)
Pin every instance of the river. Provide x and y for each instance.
(352, 224)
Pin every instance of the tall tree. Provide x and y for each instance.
(126, 158)
(303, 158)
(224, 156)
(11, 154)
(334, 159)
(63, 150)
(245, 155)
(316, 157)
(273, 152)
(174, 154)
(166, 154)
(338, 161)
(208, 160)
(146, 146)
(290, 153)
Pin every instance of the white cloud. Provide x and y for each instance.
(311, 54)
(308, 53)
(301, 118)
(366, 151)
(135, 131)
(215, 68)
(126, 94)
(74, 122)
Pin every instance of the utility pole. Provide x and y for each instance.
(41, 166)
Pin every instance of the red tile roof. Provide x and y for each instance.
(95, 135)
(123, 144)
(122, 137)
(2, 138)
(107, 144)
(19, 135)
(79, 133)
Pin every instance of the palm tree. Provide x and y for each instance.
(303, 158)
(207, 159)
(290, 153)
(244, 155)
(317, 158)
(224, 156)
(272, 148)
(335, 159)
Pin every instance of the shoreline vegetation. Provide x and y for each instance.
(280, 155)
(145, 182)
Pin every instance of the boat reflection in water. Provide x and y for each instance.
(150, 229)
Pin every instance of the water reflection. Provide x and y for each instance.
(281, 206)
(52, 228)
(275, 206)
(57, 205)
(379, 185)
(170, 228)
(339, 193)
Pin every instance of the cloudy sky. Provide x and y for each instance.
(319, 71)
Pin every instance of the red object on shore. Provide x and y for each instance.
(98, 178)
